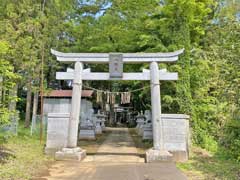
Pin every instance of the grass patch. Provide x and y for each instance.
(22, 156)
(203, 165)
(141, 145)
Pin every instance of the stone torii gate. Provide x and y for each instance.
(116, 61)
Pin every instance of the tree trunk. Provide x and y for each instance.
(13, 118)
(12, 103)
(35, 107)
(1, 89)
(28, 104)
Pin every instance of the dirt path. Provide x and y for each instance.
(118, 147)
(116, 159)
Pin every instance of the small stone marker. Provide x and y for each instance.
(147, 127)
(140, 119)
(148, 115)
(101, 119)
(87, 129)
(147, 131)
(98, 128)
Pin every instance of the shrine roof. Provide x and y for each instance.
(67, 93)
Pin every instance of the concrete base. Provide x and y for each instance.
(87, 134)
(153, 155)
(77, 154)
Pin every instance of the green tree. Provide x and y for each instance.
(7, 81)
(31, 29)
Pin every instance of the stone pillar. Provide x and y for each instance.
(75, 108)
(157, 153)
(72, 152)
(156, 106)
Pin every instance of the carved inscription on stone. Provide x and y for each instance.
(57, 130)
(175, 134)
(115, 65)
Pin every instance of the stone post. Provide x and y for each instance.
(156, 106)
(75, 108)
(72, 152)
(157, 153)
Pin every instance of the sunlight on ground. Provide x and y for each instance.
(203, 165)
(92, 145)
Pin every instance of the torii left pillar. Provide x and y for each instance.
(72, 152)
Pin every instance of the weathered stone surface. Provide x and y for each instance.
(147, 133)
(103, 126)
(97, 123)
(175, 135)
(87, 134)
(140, 119)
(156, 107)
(57, 131)
(153, 155)
(102, 119)
(87, 127)
(98, 128)
(75, 106)
(148, 115)
(77, 154)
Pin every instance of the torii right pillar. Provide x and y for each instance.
(157, 153)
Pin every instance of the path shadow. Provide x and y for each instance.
(5, 154)
(117, 154)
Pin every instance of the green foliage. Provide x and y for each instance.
(30, 29)
(203, 165)
(7, 82)
(231, 138)
(23, 156)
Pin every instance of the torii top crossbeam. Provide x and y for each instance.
(127, 57)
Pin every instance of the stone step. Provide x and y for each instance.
(114, 159)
